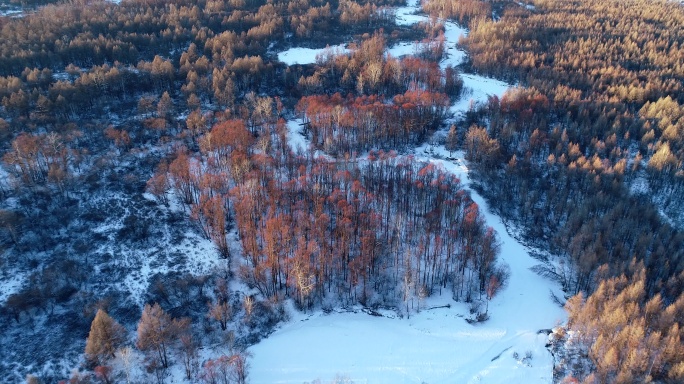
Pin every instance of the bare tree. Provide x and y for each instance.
(188, 352)
(125, 354)
(156, 332)
(221, 312)
(240, 366)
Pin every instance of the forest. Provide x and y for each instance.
(133, 133)
(587, 159)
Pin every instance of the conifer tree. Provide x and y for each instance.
(105, 336)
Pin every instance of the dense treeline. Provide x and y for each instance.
(90, 33)
(67, 60)
(542, 176)
(605, 81)
(464, 11)
(340, 126)
(620, 335)
(563, 156)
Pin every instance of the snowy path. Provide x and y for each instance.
(435, 345)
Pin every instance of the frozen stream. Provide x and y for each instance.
(435, 345)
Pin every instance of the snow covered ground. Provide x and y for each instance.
(434, 345)
(11, 10)
(454, 55)
(408, 15)
(12, 282)
(296, 139)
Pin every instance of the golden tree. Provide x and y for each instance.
(106, 335)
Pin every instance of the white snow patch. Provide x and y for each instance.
(61, 76)
(404, 49)
(200, 254)
(11, 283)
(295, 136)
(299, 55)
(529, 7)
(476, 90)
(640, 186)
(298, 142)
(11, 12)
(408, 15)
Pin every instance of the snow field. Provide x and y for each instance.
(433, 346)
